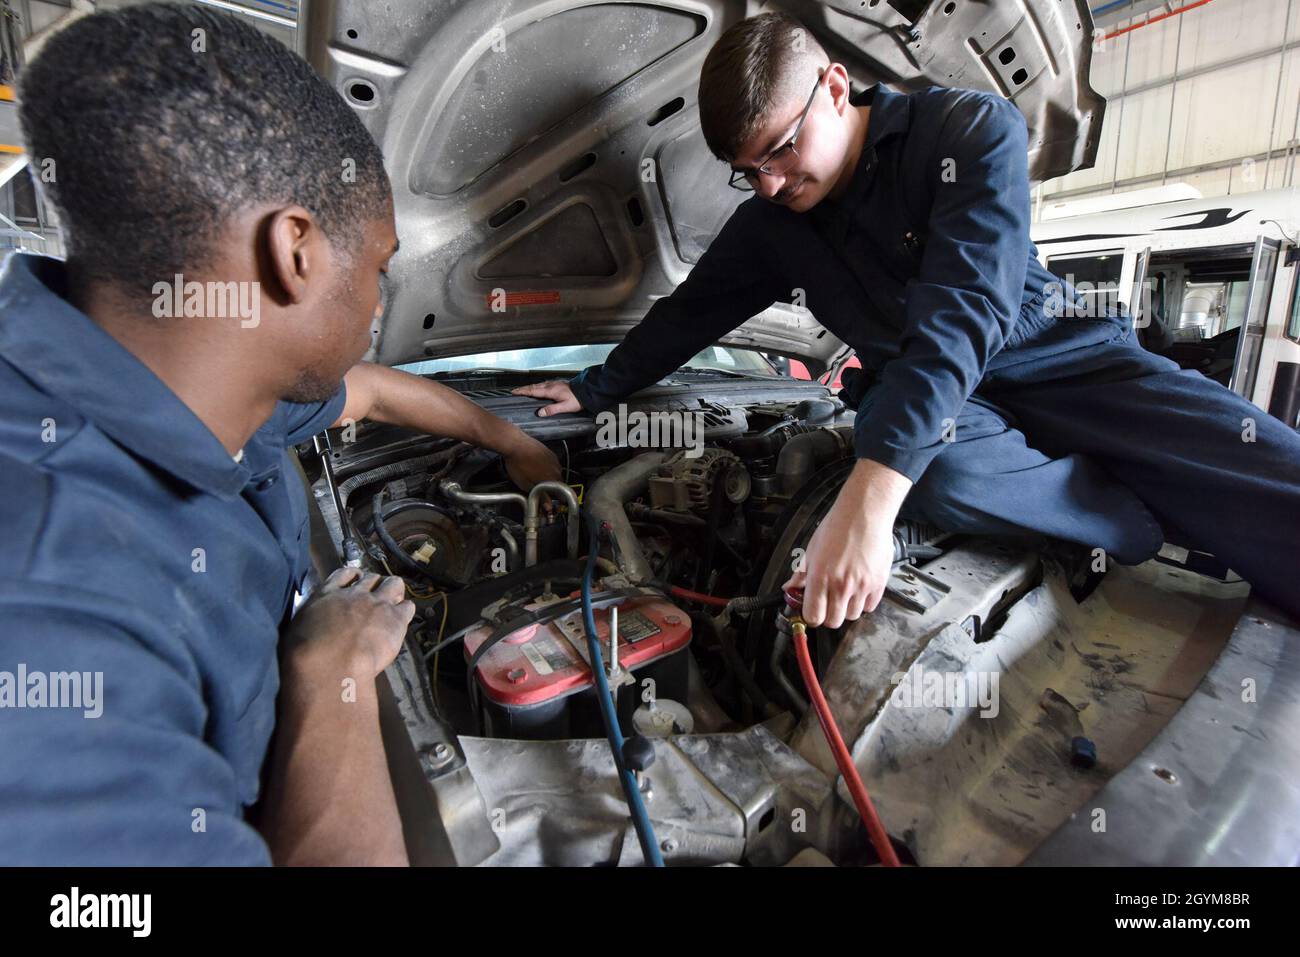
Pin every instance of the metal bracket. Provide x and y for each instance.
(914, 589)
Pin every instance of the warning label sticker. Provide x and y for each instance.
(536, 659)
(547, 655)
(531, 297)
(634, 627)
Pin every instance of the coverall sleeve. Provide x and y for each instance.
(965, 301)
(730, 283)
(303, 420)
(123, 776)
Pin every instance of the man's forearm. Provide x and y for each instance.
(877, 490)
(330, 797)
(412, 402)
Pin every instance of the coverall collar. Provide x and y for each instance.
(890, 114)
(67, 354)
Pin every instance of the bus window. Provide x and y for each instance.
(1094, 276)
(1193, 306)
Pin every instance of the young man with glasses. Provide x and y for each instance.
(986, 403)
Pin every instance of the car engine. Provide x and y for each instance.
(494, 725)
(688, 531)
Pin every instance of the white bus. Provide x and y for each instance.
(1211, 283)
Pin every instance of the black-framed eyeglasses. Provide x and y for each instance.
(780, 160)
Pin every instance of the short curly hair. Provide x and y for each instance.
(159, 133)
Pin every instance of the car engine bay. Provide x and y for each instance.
(496, 693)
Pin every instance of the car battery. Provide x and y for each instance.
(536, 684)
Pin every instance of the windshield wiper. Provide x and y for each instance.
(493, 371)
(452, 374)
(723, 372)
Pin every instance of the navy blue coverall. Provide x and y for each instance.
(1013, 415)
(143, 559)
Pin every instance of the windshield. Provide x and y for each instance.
(576, 358)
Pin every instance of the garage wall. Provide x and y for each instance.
(1209, 96)
(273, 16)
(39, 14)
(37, 227)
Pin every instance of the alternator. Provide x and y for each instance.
(686, 484)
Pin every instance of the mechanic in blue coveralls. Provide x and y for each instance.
(154, 527)
(987, 404)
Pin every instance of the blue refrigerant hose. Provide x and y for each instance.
(640, 819)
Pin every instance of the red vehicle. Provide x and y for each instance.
(800, 371)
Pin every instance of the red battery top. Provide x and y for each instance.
(540, 663)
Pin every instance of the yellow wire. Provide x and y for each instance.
(411, 592)
(428, 596)
(441, 629)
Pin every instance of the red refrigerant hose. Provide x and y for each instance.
(867, 811)
(702, 598)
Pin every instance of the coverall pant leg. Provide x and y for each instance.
(990, 481)
(1089, 444)
(1204, 460)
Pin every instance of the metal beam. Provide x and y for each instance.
(254, 12)
(1107, 13)
(1277, 152)
(1214, 67)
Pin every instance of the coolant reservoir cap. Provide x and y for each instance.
(663, 717)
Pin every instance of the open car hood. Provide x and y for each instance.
(546, 155)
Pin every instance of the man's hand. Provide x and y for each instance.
(353, 622)
(400, 398)
(329, 797)
(557, 391)
(850, 555)
(528, 462)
